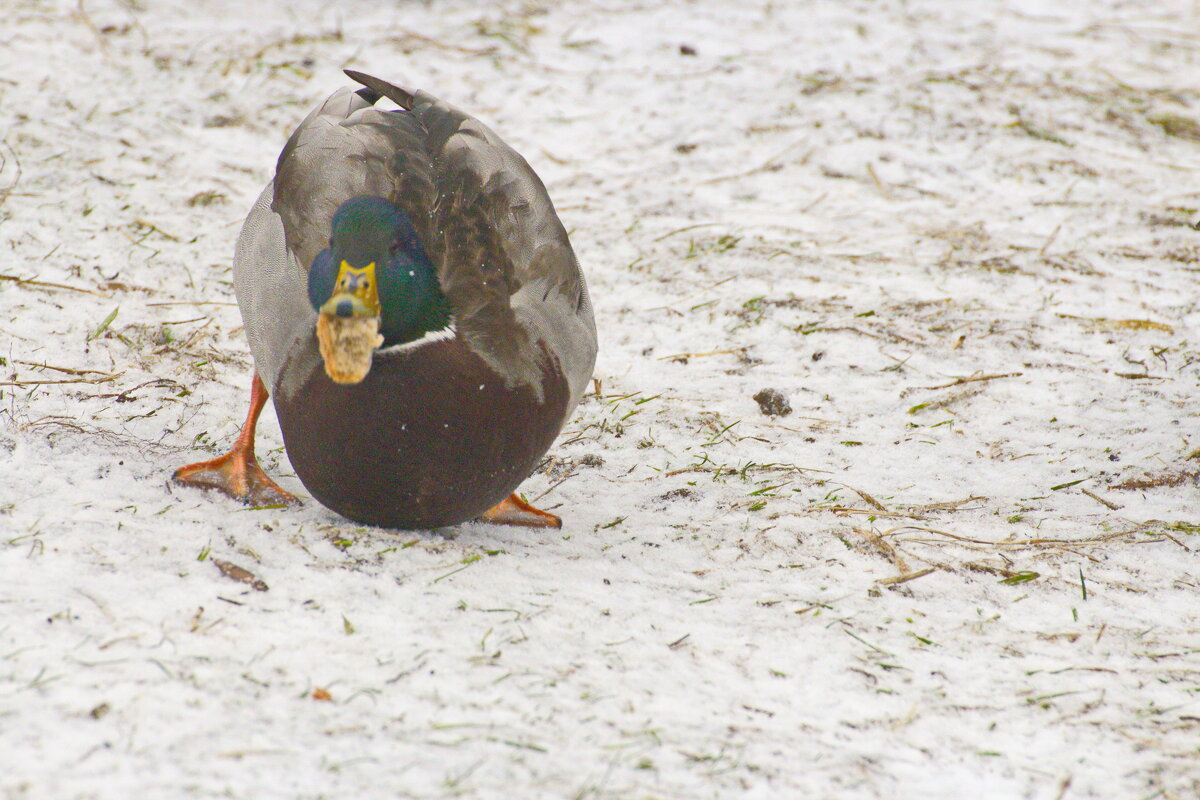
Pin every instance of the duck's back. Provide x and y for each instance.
(482, 214)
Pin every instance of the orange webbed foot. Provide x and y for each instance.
(512, 510)
(237, 475)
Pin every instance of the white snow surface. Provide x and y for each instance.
(853, 203)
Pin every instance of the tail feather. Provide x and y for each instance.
(381, 88)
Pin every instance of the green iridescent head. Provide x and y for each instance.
(376, 266)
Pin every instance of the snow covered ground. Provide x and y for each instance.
(955, 236)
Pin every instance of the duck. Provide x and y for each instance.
(415, 312)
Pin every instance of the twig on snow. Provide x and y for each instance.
(974, 379)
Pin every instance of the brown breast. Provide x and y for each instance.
(431, 437)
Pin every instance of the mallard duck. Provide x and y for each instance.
(415, 311)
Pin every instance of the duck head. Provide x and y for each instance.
(374, 286)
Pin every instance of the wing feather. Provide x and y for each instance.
(481, 212)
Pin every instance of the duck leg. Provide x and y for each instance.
(237, 473)
(512, 510)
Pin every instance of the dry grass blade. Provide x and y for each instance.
(1176, 125)
(102, 379)
(700, 291)
(879, 511)
(194, 303)
(1101, 500)
(880, 185)
(884, 548)
(557, 483)
(951, 505)
(702, 355)
(669, 234)
(1026, 543)
(58, 426)
(847, 510)
(47, 285)
(1106, 324)
(1168, 479)
(974, 379)
(911, 576)
(66, 370)
(871, 501)
(888, 335)
(770, 163)
(404, 36)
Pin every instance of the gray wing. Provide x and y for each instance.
(272, 291)
(504, 260)
(289, 225)
(483, 215)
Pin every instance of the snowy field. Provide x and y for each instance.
(956, 238)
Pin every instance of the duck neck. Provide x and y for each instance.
(411, 298)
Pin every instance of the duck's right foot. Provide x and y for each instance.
(236, 474)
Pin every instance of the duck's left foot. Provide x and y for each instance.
(512, 510)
